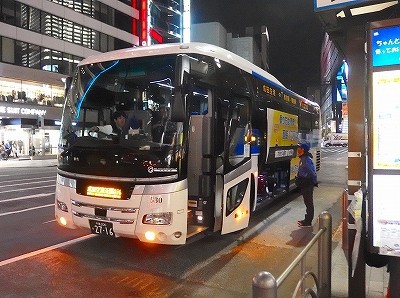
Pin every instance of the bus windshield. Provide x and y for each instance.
(116, 121)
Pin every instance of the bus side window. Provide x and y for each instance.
(198, 101)
(238, 124)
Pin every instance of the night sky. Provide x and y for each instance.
(294, 29)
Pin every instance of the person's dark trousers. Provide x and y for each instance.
(307, 193)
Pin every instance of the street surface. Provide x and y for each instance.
(38, 258)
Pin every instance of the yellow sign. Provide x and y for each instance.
(282, 128)
(386, 114)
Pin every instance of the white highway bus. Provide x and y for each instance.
(209, 139)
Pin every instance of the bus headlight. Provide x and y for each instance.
(164, 218)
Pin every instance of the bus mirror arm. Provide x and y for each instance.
(67, 85)
(220, 167)
(182, 68)
(178, 106)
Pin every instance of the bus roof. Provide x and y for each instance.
(188, 48)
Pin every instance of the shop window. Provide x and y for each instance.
(69, 3)
(68, 65)
(87, 7)
(111, 43)
(7, 50)
(7, 12)
(78, 6)
(123, 21)
(56, 59)
(77, 34)
(67, 31)
(87, 38)
(30, 18)
(96, 40)
(34, 56)
(21, 57)
(103, 42)
(120, 44)
(9, 89)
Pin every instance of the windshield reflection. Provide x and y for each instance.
(117, 120)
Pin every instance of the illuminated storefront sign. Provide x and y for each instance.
(386, 106)
(386, 46)
(21, 111)
(384, 152)
(13, 110)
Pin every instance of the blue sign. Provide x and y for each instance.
(386, 46)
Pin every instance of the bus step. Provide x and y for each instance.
(195, 229)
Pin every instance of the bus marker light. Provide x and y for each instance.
(162, 236)
(150, 235)
(178, 234)
(62, 221)
(241, 214)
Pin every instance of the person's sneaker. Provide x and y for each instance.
(303, 224)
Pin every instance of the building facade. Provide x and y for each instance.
(333, 95)
(42, 41)
(252, 44)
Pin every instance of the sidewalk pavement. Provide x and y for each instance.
(376, 278)
(27, 162)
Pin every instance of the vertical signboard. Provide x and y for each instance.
(384, 132)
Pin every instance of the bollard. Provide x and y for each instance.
(264, 285)
(325, 255)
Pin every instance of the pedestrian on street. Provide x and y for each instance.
(306, 179)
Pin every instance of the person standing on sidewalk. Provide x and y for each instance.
(306, 179)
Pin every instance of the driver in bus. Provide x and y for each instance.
(118, 128)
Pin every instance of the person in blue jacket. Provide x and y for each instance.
(306, 179)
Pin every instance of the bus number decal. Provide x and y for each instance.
(156, 200)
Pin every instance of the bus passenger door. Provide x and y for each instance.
(236, 166)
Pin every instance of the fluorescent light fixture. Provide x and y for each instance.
(372, 8)
(367, 9)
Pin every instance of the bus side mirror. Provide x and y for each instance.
(178, 109)
(182, 66)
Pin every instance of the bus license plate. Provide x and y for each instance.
(101, 228)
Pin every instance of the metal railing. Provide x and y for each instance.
(266, 286)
